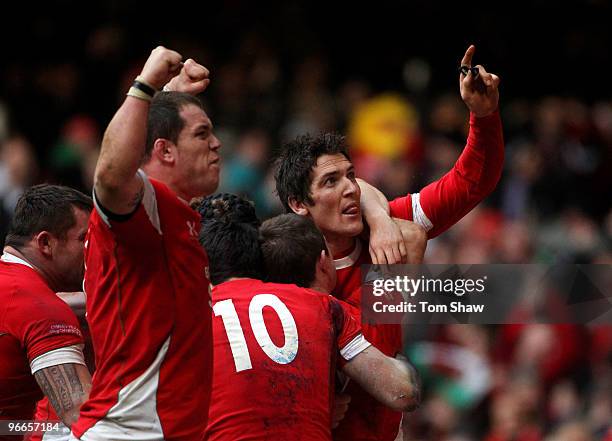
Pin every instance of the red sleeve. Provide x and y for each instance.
(346, 324)
(42, 325)
(143, 224)
(474, 176)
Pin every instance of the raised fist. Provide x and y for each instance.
(192, 79)
(161, 66)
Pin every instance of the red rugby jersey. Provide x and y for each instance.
(437, 207)
(33, 322)
(274, 352)
(148, 309)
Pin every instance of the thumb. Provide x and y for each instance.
(197, 87)
(195, 71)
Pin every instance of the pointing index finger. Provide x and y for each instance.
(467, 58)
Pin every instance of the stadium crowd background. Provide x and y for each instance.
(386, 77)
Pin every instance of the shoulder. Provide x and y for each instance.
(236, 288)
(21, 281)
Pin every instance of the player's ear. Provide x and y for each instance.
(323, 261)
(44, 243)
(164, 151)
(298, 207)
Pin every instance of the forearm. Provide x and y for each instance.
(386, 245)
(116, 184)
(485, 149)
(123, 145)
(67, 386)
(373, 202)
(411, 378)
(473, 177)
(393, 382)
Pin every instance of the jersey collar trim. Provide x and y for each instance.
(7, 257)
(349, 260)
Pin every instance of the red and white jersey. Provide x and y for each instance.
(37, 330)
(275, 348)
(45, 415)
(148, 309)
(437, 207)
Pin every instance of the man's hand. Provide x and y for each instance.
(396, 241)
(386, 241)
(161, 66)
(341, 403)
(479, 92)
(415, 240)
(192, 79)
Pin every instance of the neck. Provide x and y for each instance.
(160, 173)
(338, 245)
(321, 287)
(36, 263)
(323, 281)
(229, 279)
(236, 278)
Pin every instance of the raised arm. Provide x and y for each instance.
(392, 381)
(67, 386)
(116, 184)
(476, 173)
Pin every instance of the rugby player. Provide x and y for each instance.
(315, 178)
(275, 344)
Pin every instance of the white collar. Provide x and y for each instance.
(349, 260)
(10, 258)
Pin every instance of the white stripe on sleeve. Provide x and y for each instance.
(355, 347)
(418, 215)
(67, 354)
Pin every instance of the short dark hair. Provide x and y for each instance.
(228, 207)
(291, 245)
(164, 119)
(297, 159)
(230, 237)
(45, 208)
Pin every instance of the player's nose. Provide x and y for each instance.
(350, 187)
(215, 143)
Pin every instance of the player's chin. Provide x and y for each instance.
(352, 227)
(210, 186)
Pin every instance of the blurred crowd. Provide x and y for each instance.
(553, 204)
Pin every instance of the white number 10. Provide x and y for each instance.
(235, 335)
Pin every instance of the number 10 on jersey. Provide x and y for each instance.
(235, 335)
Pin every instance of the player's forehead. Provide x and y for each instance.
(81, 218)
(326, 164)
(195, 117)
